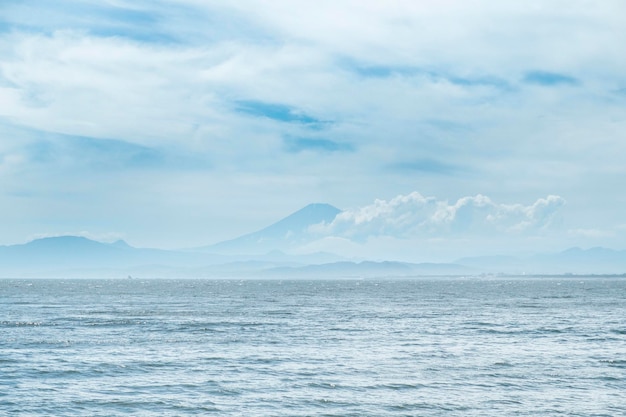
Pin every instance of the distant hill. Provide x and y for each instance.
(574, 260)
(265, 253)
(59, 251)
(42, 257)
(75, 256)
(79, 257)
(369, 269)
(291, 231)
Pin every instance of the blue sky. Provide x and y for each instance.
(443, 127)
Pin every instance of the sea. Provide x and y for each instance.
(446, 346)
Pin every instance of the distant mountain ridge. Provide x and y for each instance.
(573, 260)
(266, 253)
(370, 269)
(56, 249)
(76, 252)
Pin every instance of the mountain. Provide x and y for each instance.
(368, 269)
(120, 244)
(56, 255)
(495, 263)
(291, 231)
(586, 261)
(79, 257)
(266, 253)
(574, 260)
(59, 251)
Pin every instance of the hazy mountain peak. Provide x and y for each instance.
(283, 233)
(61, 241)
(305, 217)
(120, 244)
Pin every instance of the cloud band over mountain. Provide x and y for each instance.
(413, 215)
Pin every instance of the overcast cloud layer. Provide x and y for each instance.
(181, 123)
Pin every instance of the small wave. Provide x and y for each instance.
(608, 378)
(328, 403)
(531, 305)
(602, 339)
(413, 407)
(58, 373)
(504, 332)
(279, 313)
(505, 402)
(480, 323)
(396, 386)
(323, 385)
(556, 297)
(21, 323)
(116, 323)
(617, 363)
(554, 330)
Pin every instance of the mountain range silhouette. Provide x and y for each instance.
(266, 253)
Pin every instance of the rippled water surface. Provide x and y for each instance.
(424, 347)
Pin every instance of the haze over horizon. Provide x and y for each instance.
(440, 129)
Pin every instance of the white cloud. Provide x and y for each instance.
(429, 95)
(472, 34)
(413, 215)
(74, 83)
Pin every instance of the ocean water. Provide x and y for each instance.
(422, 347)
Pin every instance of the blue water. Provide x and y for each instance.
(424, 347)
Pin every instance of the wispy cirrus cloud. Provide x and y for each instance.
(547, 78)
(334, 101)
(296, 145)
(278, 112)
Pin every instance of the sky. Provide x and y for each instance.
(442, 128)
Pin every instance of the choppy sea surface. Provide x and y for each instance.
(421, 347)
